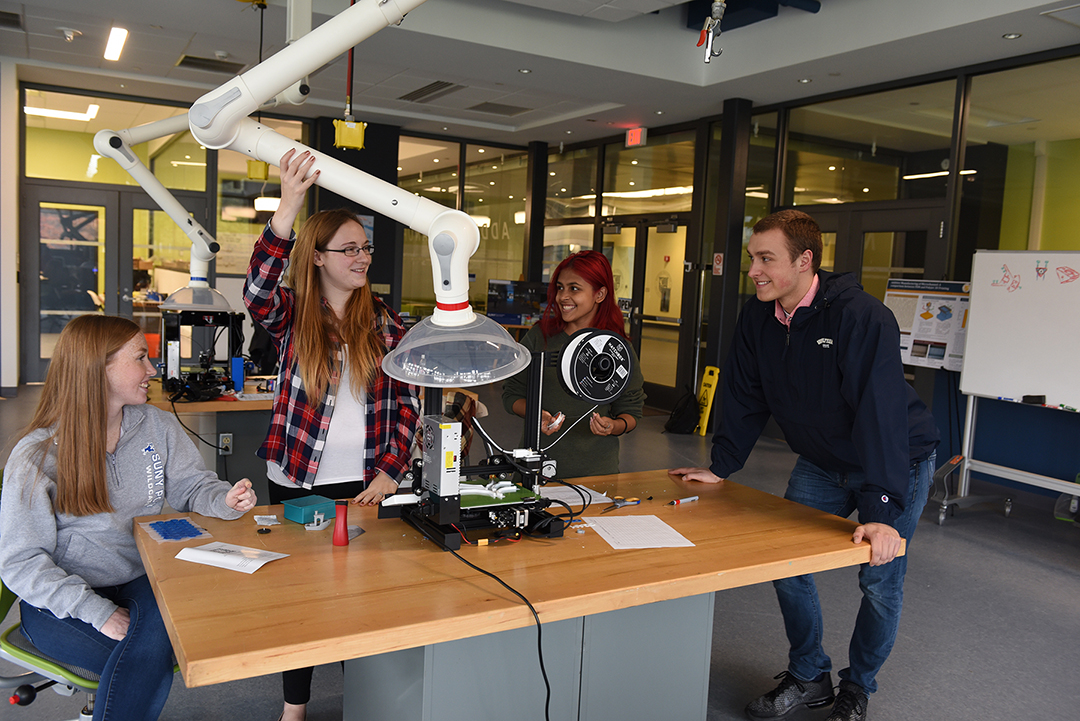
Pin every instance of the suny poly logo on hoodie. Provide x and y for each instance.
(155, 475)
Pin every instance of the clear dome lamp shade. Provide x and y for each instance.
(474, 354)
(196, 298)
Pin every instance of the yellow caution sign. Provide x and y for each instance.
(705, 397)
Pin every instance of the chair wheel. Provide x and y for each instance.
(23, 696)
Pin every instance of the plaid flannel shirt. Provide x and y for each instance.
(297, 432)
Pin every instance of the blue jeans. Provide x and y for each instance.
(136, 673)
(882, 586)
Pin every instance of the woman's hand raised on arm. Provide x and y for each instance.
(296, 178)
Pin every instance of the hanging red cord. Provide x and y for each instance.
(348, 80)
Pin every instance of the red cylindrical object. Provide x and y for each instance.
(341, 523)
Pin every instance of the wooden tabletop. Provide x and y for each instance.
(159, 398)
(392, 589)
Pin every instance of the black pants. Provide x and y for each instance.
(296, 684)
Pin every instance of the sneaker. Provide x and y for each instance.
(850, 704)
(790, 695)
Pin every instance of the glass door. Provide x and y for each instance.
(655, 292)
(73, 240)
(65, 269)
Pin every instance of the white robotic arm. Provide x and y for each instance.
(117, 145)
(453, 235)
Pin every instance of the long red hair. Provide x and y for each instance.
(594, 269)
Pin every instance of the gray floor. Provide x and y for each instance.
(990, 628)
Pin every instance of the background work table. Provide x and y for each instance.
(391, 591)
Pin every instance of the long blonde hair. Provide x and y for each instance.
(317, 332)
(75, 400)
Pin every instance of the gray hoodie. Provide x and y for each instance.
(53, 561)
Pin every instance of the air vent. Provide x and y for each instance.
(507, 111)
(210, 65)
(437, 89)
(11, 21)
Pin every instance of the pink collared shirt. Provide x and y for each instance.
(781, 314)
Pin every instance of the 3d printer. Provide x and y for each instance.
(199, 375)
(501, 495)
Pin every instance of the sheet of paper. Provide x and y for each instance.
(637, 532)
(229, 556)
(570, 497)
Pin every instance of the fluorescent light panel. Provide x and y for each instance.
(939, 174)
(115, 46)
(90, 114)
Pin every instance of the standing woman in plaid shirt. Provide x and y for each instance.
(340, 427)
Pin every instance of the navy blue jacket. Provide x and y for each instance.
(835, 384)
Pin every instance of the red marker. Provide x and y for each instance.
(677, 501)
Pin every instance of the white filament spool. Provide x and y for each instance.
(596, 365)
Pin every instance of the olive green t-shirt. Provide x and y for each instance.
(579, 452)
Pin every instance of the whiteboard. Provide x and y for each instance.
(1023, 337)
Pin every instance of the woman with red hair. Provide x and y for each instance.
(581, 295)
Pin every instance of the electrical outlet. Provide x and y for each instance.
(224, 441)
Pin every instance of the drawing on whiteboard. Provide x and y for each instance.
(1015, 283)
(1066, 274)
(1006, 277)
(1041, 266)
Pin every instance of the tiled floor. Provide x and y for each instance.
(991, 626)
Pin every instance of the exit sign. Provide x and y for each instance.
(636, 137)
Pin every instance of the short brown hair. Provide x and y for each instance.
(802, 232)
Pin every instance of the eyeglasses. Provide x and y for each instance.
(352, 251)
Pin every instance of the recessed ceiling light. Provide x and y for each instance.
(659, 112)
(399, 168)
(491, 182)
(524, 71)
(633, 162)
(866, 190)
(832, 167)
(1012, 36)
(434, 160)
(552, 173)
(115, 46)
(804, 81)
(90, 114)
(569, 132)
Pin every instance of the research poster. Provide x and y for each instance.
(933, 318)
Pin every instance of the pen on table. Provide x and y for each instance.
(677, 501)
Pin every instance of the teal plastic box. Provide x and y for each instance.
(303, 510)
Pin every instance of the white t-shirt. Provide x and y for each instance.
(343, 448)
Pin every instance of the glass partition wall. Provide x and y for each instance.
(486, 182)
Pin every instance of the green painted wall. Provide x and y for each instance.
(1016, 203)
(1061, 219)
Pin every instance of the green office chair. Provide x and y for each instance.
(41, 671)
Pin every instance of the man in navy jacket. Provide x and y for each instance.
(822, 357)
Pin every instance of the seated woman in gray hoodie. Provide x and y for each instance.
(93, 458)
